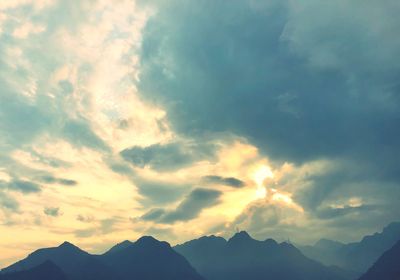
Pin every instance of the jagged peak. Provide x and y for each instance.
(240, 236)
(66, 244)
(270, 241)
(149, 241)
(120, 246)
(147, 238)
(124, 243)
(287, 245)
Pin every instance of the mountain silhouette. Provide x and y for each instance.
(211, 257)
(74, 262)
(387, 267)
(242, 257)
(149, 259)
(44, 271)
(145, 259)
(357, 256)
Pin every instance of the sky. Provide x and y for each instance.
(179, 119)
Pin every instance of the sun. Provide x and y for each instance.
(263, 172)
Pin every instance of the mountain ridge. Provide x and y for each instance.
(242, 257)
(355, 256)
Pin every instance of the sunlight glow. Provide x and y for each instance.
(259, 177)
(286, 199)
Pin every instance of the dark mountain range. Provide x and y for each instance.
(357, 256)
(387, 267)
(146, 259)
(242, 257)
(44, 271)
(215, 258)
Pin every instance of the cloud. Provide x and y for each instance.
(102, 227)
(225, 73)
(8, 202)
(227, 181)
(85, 219)
(335, 212)
(80, 133)
(258, 216)
(167, 157)
(84, 233)
(52, 211)
(61, 181)
(158, 192)
(190, 207)
(153, 214)
(14, 113)
(22, 186)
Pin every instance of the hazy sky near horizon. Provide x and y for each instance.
(179, 119)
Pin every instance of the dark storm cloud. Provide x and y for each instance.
(227, 181)
(167, 157)
(236, 69)
(302, 81)
(190, 207)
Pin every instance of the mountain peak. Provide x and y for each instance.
(270, 242)
(147, 238)
(240, 236)
(327, 243)
(124, 244)
(120, 246)
(67, 245)
(149, 241)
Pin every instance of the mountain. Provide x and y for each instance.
(387, 267)
(149, 259)
(44, 271)
(325, 251)
(74, 262)
(242, 257)
(357, 256)
(120, 246)
(360, 256)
